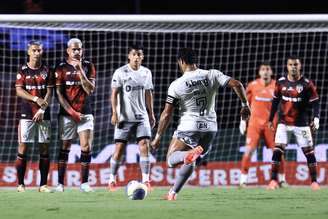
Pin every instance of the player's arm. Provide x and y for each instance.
(243, 123)
(239, 89)
(38, 117)
(113, 100)
(22, 93)
(314, 102)
(164, 122)
(88, 85)
(150, 107)
(63, 102)
(275, 103)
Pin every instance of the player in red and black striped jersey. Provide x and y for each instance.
(34, 85)
(75, 82)
(296, 96)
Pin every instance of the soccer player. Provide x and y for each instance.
(132, 112)
(34, 85)
(259, 95)
(195, 93)
(295, 94)
(75, 82)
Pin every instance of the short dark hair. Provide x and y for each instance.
(188, 56)
(264, 63)
(34, 43)
(293, 57)
(135, 47)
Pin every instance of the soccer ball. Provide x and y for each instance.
(136, 190)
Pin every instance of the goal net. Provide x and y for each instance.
(233, 44)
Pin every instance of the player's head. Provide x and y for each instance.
(294, 65)
(135, 55)
(265, 71)
(34, 50)
(186, 57)
(74, 49)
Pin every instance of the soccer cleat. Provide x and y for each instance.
(21, 188)
(171, 196)
(242, 185)
(243, 181)
(193, 154)
(283, 184)
(112, 187)
(45, 189)
(59, 188)
(85, 187)
(273, 185)
(147, 183)
(315, 186)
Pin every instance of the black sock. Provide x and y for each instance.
(312, 164)
(276, 159)
(62, 163)
(44, 168)
(21, 168)
(85, 161)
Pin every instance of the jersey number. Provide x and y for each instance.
(202, 102)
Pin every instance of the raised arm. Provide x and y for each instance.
(87, 84)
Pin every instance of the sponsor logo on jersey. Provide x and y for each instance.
(203, 125)
(192, 83)
(299, 88)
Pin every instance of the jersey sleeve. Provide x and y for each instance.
(313, 94)
(149, 83)
(220, 78)
(20, 79)
(116, 80)
(172, 96)
(277, 91)
(59, 77)
(249, 93)
(92, 75)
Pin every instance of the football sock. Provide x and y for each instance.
(184, 173)
(245, 164)
(114, 165)
(145, 168)
(62, 163)
(85, 163)
(21, 168)
(44, 168)
(276, 160)
(176, 157)
(312, 164)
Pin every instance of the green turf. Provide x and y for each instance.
(198, 203)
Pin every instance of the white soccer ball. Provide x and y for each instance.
(136, 190)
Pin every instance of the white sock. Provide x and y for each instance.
(112, 178)
(243, 179)
(145, 177)
(282, 177)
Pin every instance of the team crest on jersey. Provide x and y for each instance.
(299, 88)
(43, 75)
(19, 76)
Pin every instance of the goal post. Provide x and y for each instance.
(234, 44)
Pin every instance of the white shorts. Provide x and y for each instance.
(27, 130)
(125, 130)
(302, 134)
(69, 128)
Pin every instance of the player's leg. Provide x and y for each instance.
(26, 133)
(281, 139)
(85, 132)
(44, 140)
(143, 134)
(269, 138)
(304, 140)
(181, 153)
(252, 140)
(68, 130)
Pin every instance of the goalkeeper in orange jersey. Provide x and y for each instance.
(259, 94)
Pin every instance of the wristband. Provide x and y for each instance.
(35, 99)
(41, 110)
(243, 104)
(158, 136)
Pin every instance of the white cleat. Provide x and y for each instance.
(21, 188)
(45, 189)
(85, 187)
(59, 188)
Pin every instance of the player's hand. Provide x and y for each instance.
(114, 119)
(77, 117)
(245, 112)
(270, 125)
(315, 124)
(152, 120)
(242, 127)
(38, 117)
(155, 143)
(42, 103)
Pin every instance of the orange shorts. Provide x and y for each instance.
(255, 132)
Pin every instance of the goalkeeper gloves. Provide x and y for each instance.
(242, 126)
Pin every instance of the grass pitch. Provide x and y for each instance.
(198, 203)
